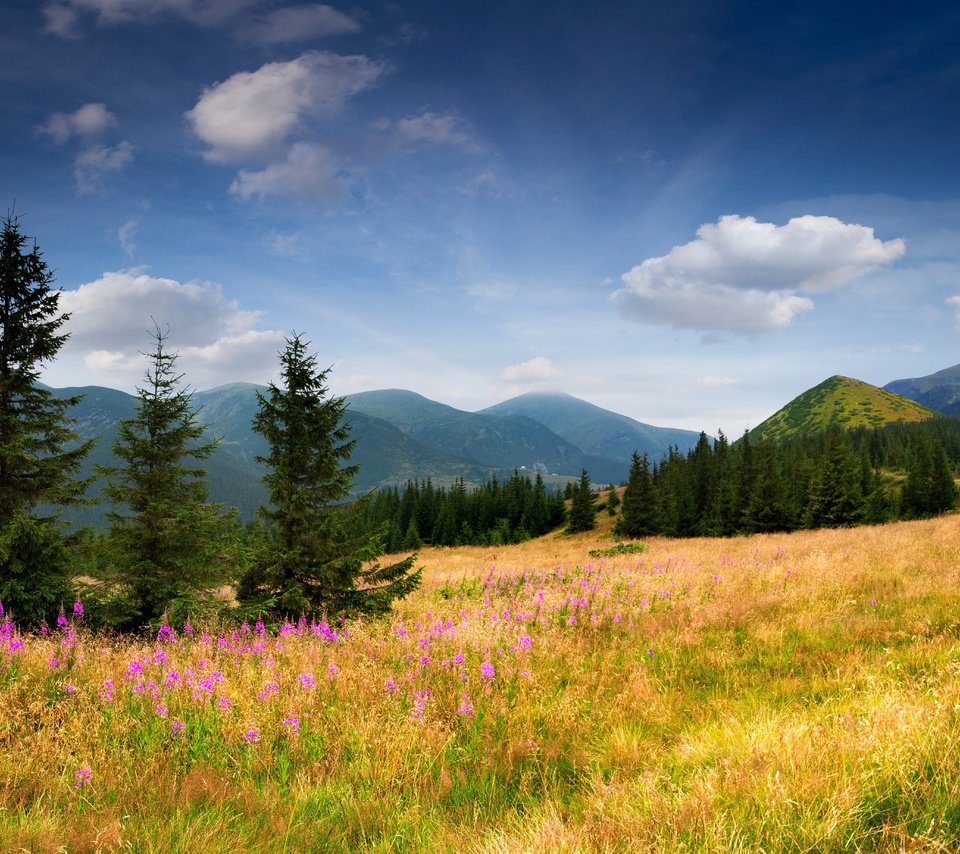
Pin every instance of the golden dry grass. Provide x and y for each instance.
(778, 693)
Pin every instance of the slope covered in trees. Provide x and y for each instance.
(828, 479)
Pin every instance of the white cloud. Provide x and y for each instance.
(61, 20)
(298, 23)
(309, 172)
(111, 321)
(537, 370)
(251, 113)
(125, 236)
(63, 16)
(710, 381)
(93, 164)
(743, 276)
(88, 120)
(915, 349)
(435, 129)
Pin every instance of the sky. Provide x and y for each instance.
(685, 212)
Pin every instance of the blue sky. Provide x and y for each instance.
(688, 212)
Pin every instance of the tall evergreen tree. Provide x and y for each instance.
(583, 509)
(639, 516)
(836, 497)
(929, 488)
(725, 502)
(164, 535)
(704, 485)
(39, 452)
(766, 508)
(308, 564)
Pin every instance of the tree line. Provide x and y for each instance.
(835, 478)
(492, 514)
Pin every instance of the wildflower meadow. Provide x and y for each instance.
(780, 693)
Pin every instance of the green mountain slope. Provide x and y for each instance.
(843, 401)
(400, 436)
(385, 454)
(940, 391)
(596, 431)
(503, 441)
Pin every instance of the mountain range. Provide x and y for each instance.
(401, 435)
(940, 391)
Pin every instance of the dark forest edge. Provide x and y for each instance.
(836, 477)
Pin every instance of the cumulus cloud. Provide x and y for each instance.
(298, 23)
(93, 164)
(744, 276)
(532, 372)
(309, 172)
(251, 113)
(111, 318)
(88, 120)
(435, 129)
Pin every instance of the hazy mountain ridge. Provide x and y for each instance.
(502, 441)
(940, 390)
(595, 430)
(842, 401)
(401, 435)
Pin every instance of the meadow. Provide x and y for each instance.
(768, 693)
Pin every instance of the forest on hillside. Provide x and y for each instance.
(829, 479)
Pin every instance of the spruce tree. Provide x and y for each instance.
(836, 497)
(766, 508)
(39, 452)
(583, 509)
(929, 488)
(163, 532)
(308, 563)
(639, 516)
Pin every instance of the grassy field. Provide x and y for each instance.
(773, 693)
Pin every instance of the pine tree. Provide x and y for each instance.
(39, 452)
(766, 508)
(724, 514)
(164, 535)
(836, 497)
(583, 509)
(929, 488)
(308, 564)
(536, 515)
(639, 516)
